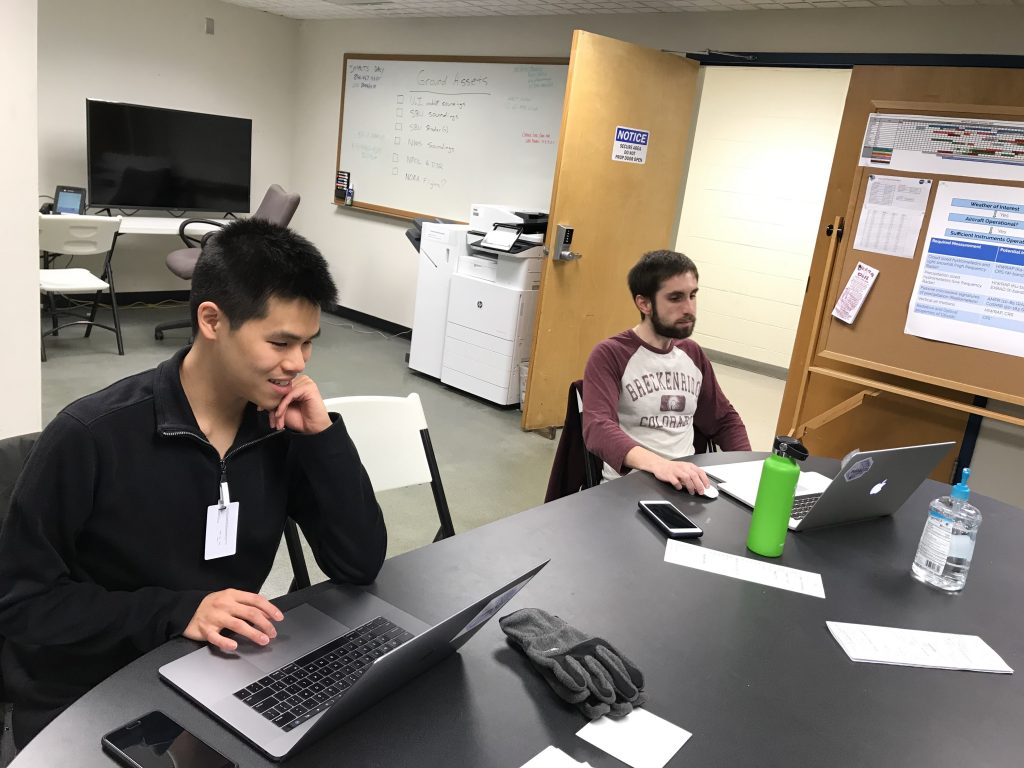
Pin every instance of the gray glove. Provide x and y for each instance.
(586, 671)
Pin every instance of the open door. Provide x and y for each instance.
(618, 208)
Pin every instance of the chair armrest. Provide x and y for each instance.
(190, 241)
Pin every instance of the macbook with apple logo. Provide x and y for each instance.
(870, 484)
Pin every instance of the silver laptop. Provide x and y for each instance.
(333, 657)
(870, 484)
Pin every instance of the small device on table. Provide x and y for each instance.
(69, 200)
(670, 520)
(156, 741)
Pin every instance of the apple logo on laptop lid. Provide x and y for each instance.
(877, 487)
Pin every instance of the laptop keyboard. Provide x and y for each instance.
(293, 694)
(802, 505)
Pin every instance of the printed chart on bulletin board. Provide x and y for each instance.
(431, 136)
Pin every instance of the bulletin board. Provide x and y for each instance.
(877, 339)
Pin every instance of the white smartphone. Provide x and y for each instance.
(670, 520)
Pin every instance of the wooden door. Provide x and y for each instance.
(619, 209)
(884, 420)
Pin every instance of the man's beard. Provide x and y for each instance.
(672, 331)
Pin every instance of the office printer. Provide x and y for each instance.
(504, 246)
(492, 302)
(476, 296)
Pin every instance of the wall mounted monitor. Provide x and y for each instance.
(155, 158)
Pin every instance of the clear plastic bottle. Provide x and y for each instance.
(947, 541)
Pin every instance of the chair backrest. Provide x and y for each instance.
(77, 235)
(277, 206)
(387, 433)
(14, 453)
(394, 446)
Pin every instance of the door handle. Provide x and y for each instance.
(563, 241)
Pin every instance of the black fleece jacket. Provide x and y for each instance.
(102, 554)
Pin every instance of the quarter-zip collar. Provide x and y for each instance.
(174, 415)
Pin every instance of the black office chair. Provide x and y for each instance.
(277, 207)
(14, 452)
(575, 468)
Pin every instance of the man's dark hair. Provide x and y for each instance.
(250, 261)
(653, 269)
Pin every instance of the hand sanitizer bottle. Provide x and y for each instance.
(947, 542)
(775, 493)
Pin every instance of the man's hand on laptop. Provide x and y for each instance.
(244, 613)
(678, 474)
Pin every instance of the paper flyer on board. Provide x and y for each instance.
(953, 146)
(970, 282)
(892, 214)
(854, 294)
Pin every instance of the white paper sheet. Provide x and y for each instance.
(743, 568)
(856, 291)
(892, 214)
(500, 239)
(553, 757)
(916, 648)
(970, 282)
(640, 739)
(740, 480)
(953, 146)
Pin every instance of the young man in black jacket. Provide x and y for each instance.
(153, 509)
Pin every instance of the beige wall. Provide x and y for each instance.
(374, 264)
(19, 289)
(761, 155)
(157, 53)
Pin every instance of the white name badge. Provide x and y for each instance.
(221, 530)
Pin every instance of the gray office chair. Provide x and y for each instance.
(14, 453)
(77, 236)
(394, 445)
(277, 207)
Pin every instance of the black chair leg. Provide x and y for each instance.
(295, 555)
(446, 528)
(53, 311)
(117, 320)
(92, 313)
(171, 325)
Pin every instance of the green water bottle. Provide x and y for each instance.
(775, 493)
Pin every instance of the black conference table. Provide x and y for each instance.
(751, 671)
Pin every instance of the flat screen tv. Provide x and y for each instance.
(149, 157)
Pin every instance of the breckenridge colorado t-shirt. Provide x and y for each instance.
(635, 394)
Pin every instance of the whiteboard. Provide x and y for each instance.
(430, 137)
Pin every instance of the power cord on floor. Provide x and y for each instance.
(371, 331)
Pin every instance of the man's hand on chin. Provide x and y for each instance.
(302, 409)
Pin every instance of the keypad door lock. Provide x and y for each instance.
(563, 244)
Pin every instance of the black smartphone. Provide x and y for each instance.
(670, 520)
(156, 741)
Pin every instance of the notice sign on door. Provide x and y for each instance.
(630, 145)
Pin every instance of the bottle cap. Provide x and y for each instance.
(960, 491)
(789, 447)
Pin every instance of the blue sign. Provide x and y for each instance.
(631, 136)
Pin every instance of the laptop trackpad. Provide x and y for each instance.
(303, 629)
